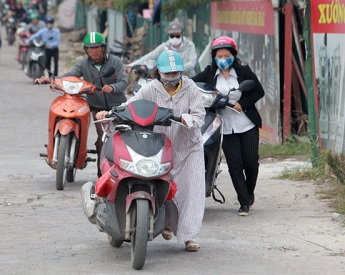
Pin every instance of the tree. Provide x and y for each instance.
(169, 7)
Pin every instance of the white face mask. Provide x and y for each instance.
(175, 41)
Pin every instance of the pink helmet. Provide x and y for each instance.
(223, 42)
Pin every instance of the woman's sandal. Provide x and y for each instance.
(167, 233)
(192, 245)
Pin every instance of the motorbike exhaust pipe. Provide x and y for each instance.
(89, 203)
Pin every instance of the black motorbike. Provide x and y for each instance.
(5, 9)
(143, 75)
(11, 28)
(32, 68)
(212, 132)
(121, 51)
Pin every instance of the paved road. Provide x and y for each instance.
(44, 231)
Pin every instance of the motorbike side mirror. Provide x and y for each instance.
(151, 66)
(109, 71)
(246, 85)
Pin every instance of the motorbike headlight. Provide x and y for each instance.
(207, 99)
(72, 88)
(34, 56)
(145, 167)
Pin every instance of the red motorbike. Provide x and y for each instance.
(23, 47)
(69, 120)
(128, 202)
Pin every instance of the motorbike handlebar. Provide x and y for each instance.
(232, 107)
(176, 118)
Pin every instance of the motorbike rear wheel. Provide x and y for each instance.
(37, 71)
(23, 59)
(61, 165)
(10, 38)
(139, 237)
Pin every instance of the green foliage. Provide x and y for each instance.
(334, 191)
(291, 147)
(328, 173)
(316, 174)
(169, 7)
(123, 5)
(336, 163)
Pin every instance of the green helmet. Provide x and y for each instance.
(33, 16)
(93, 39)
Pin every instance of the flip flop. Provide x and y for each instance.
(167, 233)
(192, 245)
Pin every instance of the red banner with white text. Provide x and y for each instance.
(328, 32)
(243, 16)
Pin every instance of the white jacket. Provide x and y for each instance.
(187, 53)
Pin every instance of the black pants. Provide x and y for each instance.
(99, 142)
(55, 54)
(242, 156)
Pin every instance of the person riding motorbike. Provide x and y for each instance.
(171, 90)
(110, 90)
(177, 42)
(18, 12)
(35, 24)
(51, 39)
(42, 7)
(25, 32)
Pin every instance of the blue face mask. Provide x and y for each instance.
(224, 64)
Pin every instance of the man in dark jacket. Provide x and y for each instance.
(110, 90)
(42, 7)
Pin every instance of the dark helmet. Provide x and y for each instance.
(49, 19)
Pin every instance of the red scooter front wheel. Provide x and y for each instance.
(140, 235)
(61, 165)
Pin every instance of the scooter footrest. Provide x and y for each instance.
(43, 155)
(90, 160)
(92, 151)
